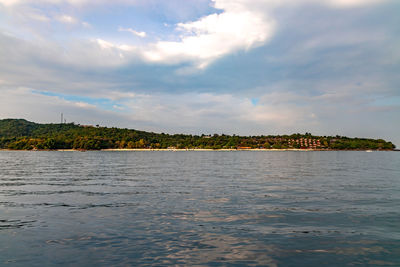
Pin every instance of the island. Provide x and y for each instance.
(20, 134)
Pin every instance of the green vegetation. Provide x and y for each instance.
(21, 134)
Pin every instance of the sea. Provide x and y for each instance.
(199, 208)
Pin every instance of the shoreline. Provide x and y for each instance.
(196, 149)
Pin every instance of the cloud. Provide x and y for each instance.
(104, 44)
(67, 19)
(37, 15)
(86, 24)
(71, 20)
(353, 3)
(74, 3)
(240, 25)
(84, 105)
(139, 34)
(215, 35)
(344, 3)
(9, 2)
(199, 42)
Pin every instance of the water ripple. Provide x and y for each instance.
(199, 208)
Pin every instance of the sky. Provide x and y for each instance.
(247, 67)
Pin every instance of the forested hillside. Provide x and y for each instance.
(20, 134)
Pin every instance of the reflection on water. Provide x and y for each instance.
(199, 208)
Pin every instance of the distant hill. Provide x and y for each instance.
(22, 127)
(16, 127)
(20, 134)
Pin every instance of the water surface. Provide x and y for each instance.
(199, 208)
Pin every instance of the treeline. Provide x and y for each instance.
(20, 134)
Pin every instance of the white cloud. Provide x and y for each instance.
(352, 3)
(9, 2)
(116, 107)
(84, 105)
(76, 3)
(104, 44)
(86, 24)
(242, 25)
(200, 42)
(116, 95)
(36, 15)
(213, 36)
(139, 34)
(218, 3)
(67, 19)
(208, 112)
